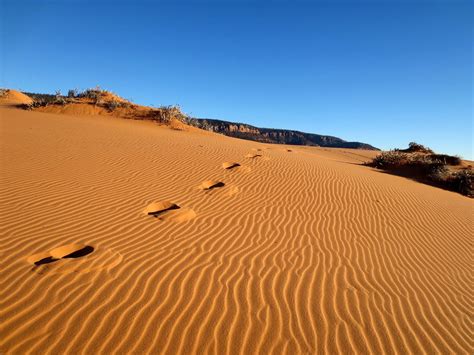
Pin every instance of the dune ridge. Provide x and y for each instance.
(307, 252)
(9, 97)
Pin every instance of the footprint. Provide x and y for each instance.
(230, 165)
(157, 208)
(169, 211)
(211, 184)
(71, 251)
(58, 260)
(252, 156)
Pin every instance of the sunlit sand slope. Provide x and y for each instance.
(124, 237)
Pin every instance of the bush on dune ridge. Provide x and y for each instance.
(414, 147)
(108, 100)
(421, 163)
(95, 96)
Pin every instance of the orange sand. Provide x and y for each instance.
(14, 97)
(299, 251)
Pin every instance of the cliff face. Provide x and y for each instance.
(269, 135)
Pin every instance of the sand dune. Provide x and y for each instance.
(14, 97)
(304, 253)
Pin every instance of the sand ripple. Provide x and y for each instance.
(300, 253)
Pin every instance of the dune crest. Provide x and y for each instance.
(10, 97)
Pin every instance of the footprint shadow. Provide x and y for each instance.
(211, 184)
(80, 252)
(165, 210)
(253, 156)
(230, 165)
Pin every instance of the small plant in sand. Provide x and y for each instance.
(164, 114)
(113, 104)
(59, 99)
(39, 102)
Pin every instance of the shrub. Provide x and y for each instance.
(414, 147)
(165, 114)
(427, 167)
(436, 172)
(34, 104)
(447, 159)
(72, 93)
(59, 99)
(389, 159)
(41, 97)
(93, 94)
(112, 105)
(462, 181)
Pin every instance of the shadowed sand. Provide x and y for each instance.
(305, 253)
(230, 165)
(211, 184)
(251, 155)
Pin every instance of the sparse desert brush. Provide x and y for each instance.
(414, 147)
(3, 92)
(164, 114)
(453, 160)
(41, 100)
(38, 102)
(93, 94)
(421, 163)
(392, 158)
(72, 93)
(59, 99)
(111, 105)
(463, 181)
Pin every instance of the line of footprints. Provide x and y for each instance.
(166, 210)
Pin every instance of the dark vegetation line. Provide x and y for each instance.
(422, 164)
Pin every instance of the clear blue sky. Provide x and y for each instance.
(383, 72)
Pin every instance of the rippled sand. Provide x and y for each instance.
(294, 250)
